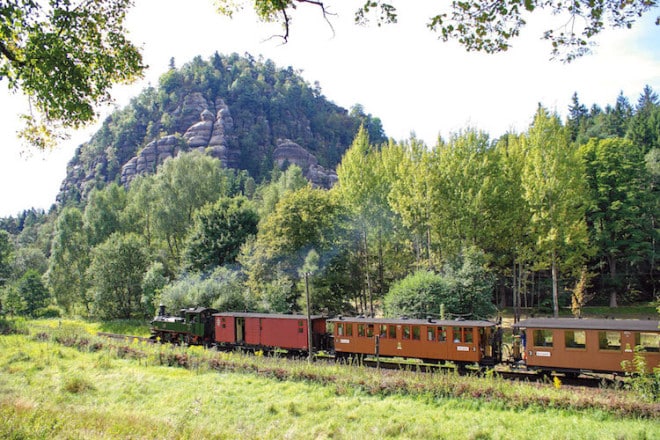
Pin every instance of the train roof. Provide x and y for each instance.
(440, 322)
(265, 315)
(591, 324)
(197, 310)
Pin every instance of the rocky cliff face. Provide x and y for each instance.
(210, 130)
(210, 133)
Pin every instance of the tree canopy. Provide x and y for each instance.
(482, 25)
(64, 56)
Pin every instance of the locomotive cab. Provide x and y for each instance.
(194, 326)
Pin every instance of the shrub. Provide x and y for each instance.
(48, 312)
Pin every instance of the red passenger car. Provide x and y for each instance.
(462, 342)
(260, 331)
(588, 345)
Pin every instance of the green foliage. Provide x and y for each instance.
(222, 289)
(218, 233)
(67, 271)
(154, 281)
(619, 208)
(65, 58)
(417, 296)
(33, 292)
(6, 249)
(642, 381)
(116, 272)
(464, 289)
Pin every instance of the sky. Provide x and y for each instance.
(400, 73)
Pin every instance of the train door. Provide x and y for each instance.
(240, 330)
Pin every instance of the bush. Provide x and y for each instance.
(48, 312)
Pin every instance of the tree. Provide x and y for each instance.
(303, 220)
(69, 260)
(410, 195)
(463, 289)
(618, 210)
(553, 183)
(483, 25)
(363, 186)
(116, 273)
(64, 56)
(418, 295)
(182, 186)
(5, 253)
(102, 212)
(219, 231)
(33, 292)
(152, 285)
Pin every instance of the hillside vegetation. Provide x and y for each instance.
(548, 220)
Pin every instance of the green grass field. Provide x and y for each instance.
(59, 381)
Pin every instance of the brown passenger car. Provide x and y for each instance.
(581, 345)
(463, 342)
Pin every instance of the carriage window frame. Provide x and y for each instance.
(416, 333)
(361, 331)
(430, 334)
(391, 331)
(405, 332)
(573, 338)
(542, 337)
(468, 335)
(382, 332)
(340, 329)
(606, 337)
(442, 334)
(349, 329)
(649, 341)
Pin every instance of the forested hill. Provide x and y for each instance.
(245, 111)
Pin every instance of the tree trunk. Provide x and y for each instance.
(366, 271)
(555, 286)
(612, 264)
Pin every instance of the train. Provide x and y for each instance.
(547, 345)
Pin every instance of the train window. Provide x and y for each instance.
(392, 332)
(468, 336)
(370, 330)
(442, 334)
(575, 338)
(457, 335)
(340, 329)
(430, 334)
(609, 340)
(406, 332)
(542, 338)
(361, 330)
(649, 341)
(300, 326)
(416, 332)
(383, 331)
(349, 329)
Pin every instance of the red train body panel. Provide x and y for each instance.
(261, 330)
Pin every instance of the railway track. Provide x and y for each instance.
(591, 381)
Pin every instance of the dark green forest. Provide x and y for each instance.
(551, 219)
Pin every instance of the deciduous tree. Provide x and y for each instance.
(64, 56)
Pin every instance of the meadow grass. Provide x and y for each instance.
(86, 387)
